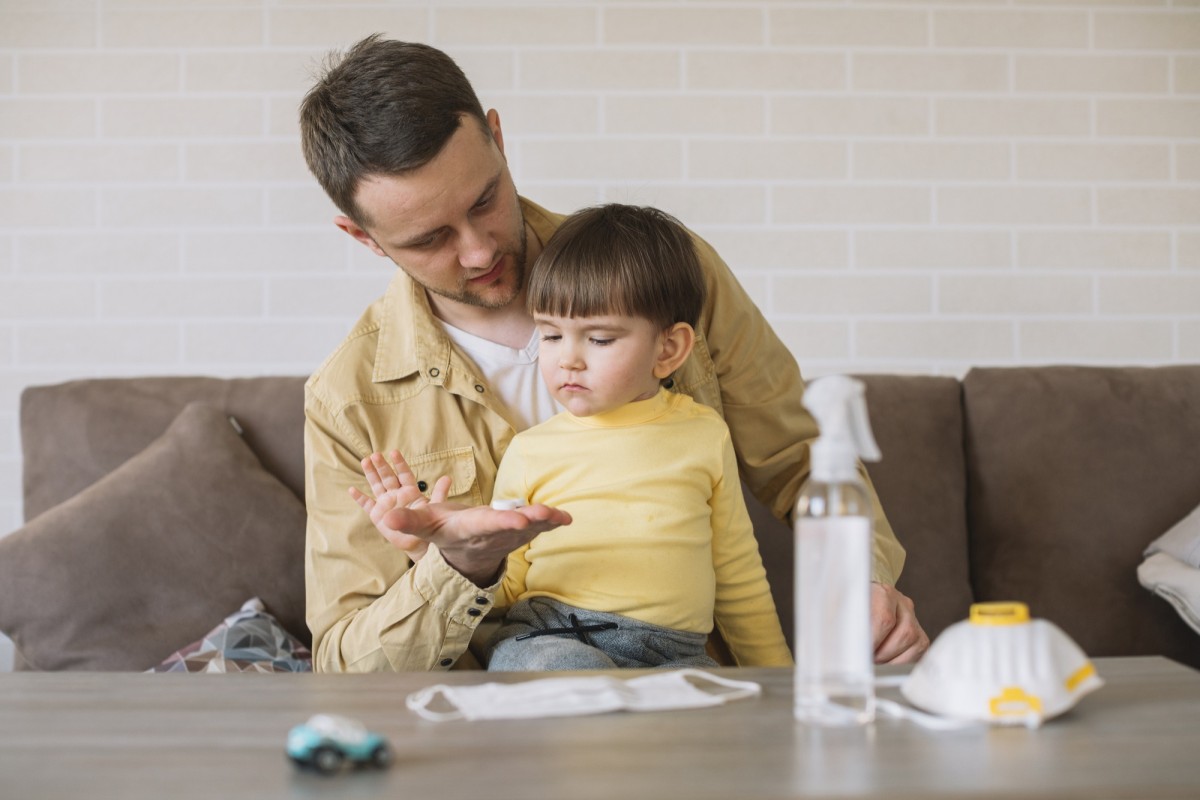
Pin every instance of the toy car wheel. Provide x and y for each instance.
(381, 756)
(326, 759)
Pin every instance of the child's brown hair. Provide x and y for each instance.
(619, 259)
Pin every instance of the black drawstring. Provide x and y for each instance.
(575, 628)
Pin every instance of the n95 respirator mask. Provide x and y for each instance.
(1001, 667)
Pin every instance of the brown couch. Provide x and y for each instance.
(1037, 484)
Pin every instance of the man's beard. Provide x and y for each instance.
(465, 295)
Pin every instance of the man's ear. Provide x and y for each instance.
(350, 227)
(493, 122)
(675, 346)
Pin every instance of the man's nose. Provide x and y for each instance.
(477, 248)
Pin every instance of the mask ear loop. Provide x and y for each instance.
(931, 721)
(420, 700)
(738, 689)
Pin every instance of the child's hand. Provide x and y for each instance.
(396, 487)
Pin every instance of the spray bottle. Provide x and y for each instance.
(834, 682)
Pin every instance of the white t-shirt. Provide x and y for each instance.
(513, 374)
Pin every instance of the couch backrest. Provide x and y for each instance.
(1072, 472)
(921, 483)
(1064, 475)
(75, 433)
(917, 421)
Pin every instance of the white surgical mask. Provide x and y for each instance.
(578, 696)
(998, 667)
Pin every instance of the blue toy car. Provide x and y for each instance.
(326, 741)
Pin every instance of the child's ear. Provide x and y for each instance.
(676, 346)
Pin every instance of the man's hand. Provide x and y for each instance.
(475, 541)
(392, 489)
(898, 636)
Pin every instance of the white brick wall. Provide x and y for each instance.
(903, 186)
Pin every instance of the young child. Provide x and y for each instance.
(660, 544)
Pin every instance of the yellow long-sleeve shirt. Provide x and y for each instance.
(660, 531)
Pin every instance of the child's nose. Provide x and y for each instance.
(570, 357)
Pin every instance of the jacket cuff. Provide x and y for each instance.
(463, 604)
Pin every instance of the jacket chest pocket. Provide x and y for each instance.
(459, 464)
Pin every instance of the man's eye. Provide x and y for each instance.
(484, 202)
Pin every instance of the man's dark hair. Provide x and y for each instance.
(619, 259)
(383, 108)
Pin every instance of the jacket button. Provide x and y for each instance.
(479, 388)
(445, 662)
(474, 612)
(434, 372)
(483, 601)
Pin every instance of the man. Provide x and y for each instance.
(443, 370)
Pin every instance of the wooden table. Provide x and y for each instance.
(169, 736)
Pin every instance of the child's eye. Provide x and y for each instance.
(550, 337)
(602, 342)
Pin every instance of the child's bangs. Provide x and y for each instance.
(579, 287)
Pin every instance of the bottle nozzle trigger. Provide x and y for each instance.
(839, 405)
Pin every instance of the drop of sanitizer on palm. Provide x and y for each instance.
(834, 683)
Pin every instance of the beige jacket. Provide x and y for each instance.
(397, 381)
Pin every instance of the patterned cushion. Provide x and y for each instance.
(249, 640)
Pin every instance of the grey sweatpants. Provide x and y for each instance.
(631, 644)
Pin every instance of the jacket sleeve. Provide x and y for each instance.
(760, 397)
(368, 606)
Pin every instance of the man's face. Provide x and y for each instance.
(454, 224)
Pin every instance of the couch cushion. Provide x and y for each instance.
(1073, 471)
(144, 560)
(917, 421)
(104, 422)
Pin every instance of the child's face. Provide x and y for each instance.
(595, 364)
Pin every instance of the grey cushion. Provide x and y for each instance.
(141, 562)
